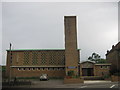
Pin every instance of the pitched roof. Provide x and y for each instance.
(88, 61)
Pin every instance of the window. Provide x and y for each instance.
(35, 58)
(26, 58)
(105, 66)
(33, 68)
(19, 69)
(38, 68)
(24, 69)
(50, 68)
(61, 68)
(29, 69)
(43, 58)
(55, 68)
(101, 67)
(46, 68)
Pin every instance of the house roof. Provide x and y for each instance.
(96, 63)
(114, 48)
(104, 64)
(88, 61)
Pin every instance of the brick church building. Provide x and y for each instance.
(54, 62)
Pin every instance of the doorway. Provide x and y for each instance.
(87, 72)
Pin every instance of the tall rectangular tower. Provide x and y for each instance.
(71, 53)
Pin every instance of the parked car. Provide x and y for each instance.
(43, 77)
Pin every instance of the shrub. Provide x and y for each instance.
(71, 73)
(106, 76)
(75, 76)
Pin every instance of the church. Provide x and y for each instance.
(53, 62)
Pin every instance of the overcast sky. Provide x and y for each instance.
(33, 25)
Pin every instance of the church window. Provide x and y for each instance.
(26, 58)
(34, 58)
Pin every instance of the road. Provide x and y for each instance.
(87, 84)
(60, 84)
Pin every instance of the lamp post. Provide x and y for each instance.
(10, 64)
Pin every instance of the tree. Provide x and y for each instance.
(96, 58)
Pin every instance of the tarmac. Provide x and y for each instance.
(60, 84)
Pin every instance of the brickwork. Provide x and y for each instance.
(52, 61)
(67, 58)
(113, 56)
(97, 69)
(36, 73)
(35, 58)
(71, 53)
(101, 70)
(115, 78)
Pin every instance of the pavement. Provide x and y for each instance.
(86, 84)
(60, 84)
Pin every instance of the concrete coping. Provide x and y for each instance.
(37, 66)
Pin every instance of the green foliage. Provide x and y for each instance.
(96, 58)
(3, 68)
(106, 76)
(70, 73)
(76, 76)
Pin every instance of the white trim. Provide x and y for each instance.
(112, 86)
(83, 86)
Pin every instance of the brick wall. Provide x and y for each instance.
(113, 57)
(36, 58)
(101, 70)
(98, 69)
(37, 73)
(71, 53)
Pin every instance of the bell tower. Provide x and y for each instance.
(71, 52)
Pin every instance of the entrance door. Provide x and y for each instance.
(87, 72)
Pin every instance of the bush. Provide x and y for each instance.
(71, 73)
(75, 76)
(106, 76)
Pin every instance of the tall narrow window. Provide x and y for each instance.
(26, 58)
(43, 58)
(34, 58)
